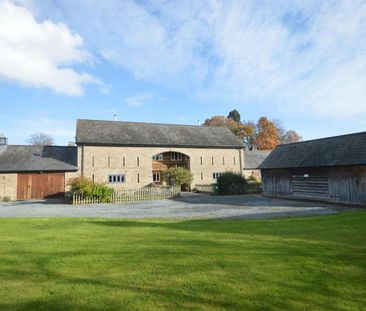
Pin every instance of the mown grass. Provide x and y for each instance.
(311, 263)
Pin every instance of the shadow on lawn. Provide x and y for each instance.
(284, 296)
(306, 244)
(322, 228)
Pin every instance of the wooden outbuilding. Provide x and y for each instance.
(329, 169)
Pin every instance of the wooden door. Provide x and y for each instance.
(40, 185)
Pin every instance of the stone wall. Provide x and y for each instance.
(98, 162)
(8, 186)
(69, 176)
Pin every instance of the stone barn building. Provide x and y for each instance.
(330, 169)
(134, 154)
(128, 155)
(35, 172)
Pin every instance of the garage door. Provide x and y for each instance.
(40, 185)
(314, 187)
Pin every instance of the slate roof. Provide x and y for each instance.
(332, 151)
(253, 158)
(27, 158)
(94, 132)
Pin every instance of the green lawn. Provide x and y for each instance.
(311, 263)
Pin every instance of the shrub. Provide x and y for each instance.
(6, 198)
(231, 183)
(90, 189)
(178, 175)
(252, 178)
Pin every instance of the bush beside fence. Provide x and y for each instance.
(130, 195)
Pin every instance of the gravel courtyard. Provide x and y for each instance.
(190, 205)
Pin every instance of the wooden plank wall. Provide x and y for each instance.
(341, 184)
(276, 182)
(348, 184)
(36, 185)
(312, 187)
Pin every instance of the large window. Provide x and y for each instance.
(158, 157)
(114, 179)
(216, 175)
(176, 156)
(156, 176)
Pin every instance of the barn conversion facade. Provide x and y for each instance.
(33, 172)
(134, 154)
(330, 169)
(120, 154)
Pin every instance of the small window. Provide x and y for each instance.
(123, 161)
(223, 160)
(176, 156)
(156, 176)
(92, 161)
(93, 178)
(138, 161)
(138, 178)
(201, 160)
(109, 161)
(158, 157)
(119, 178)
(201, 176)
(216, 175)
(234, 161)
(212, 160)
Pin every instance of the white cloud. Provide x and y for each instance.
(40, 54)
(140, 99)
(301, 56)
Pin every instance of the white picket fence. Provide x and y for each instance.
(204, 188)
(131, 195)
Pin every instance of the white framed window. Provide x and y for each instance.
(158, 157)
(176, 156)
(156, 176)
(118, 178)
(216, 175)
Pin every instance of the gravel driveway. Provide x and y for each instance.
(190, 205)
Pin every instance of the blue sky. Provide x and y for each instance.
(181, 62)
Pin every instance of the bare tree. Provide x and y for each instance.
(289, 137)
(40, 139)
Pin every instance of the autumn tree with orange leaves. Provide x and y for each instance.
(222, 121)
(268, 136)
(264, 135)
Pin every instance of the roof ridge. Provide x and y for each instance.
(140, 122)
(322, 138)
